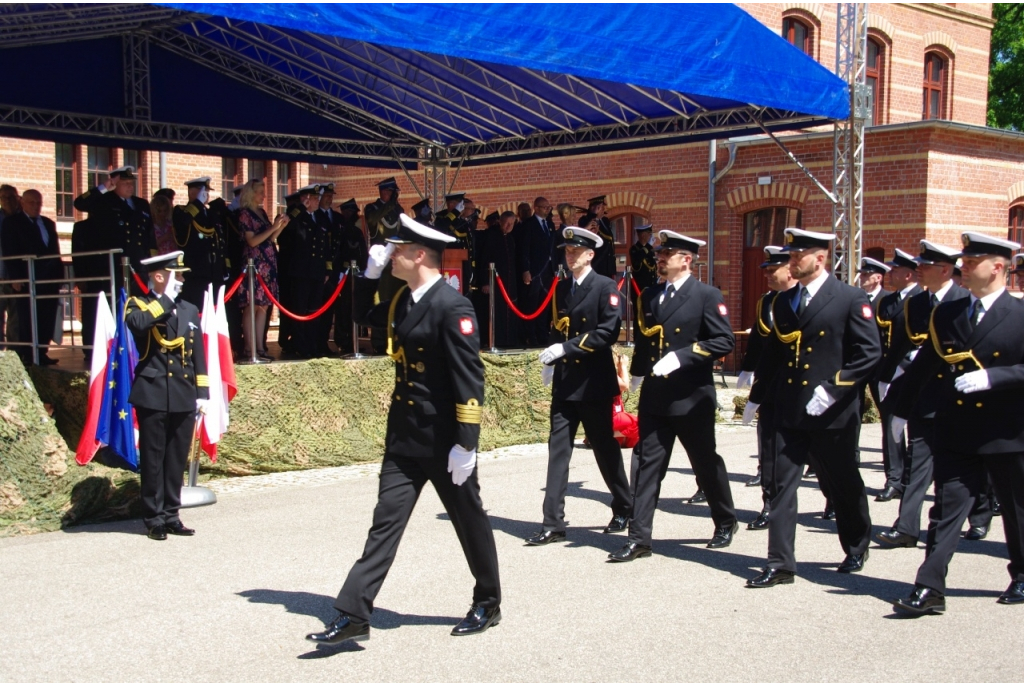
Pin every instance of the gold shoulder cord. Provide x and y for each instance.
(887, 325)
(656, 329)
(916, 339)
(788, 338)
(561, 324)
(762, 330)
(399, 355)
(952, 358)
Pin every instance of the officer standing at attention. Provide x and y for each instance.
(935, 271)
(348, 245)
(596, 222)
(433, 427)
(776, 268)
(579, 360)
(977, 356)
(685, 327)
(304, 262)
(170, 385)
(382, 222)
(644, 262)
(895, 348)
(199, 234)
(330, 223)
(825, 347)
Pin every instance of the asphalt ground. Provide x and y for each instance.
(104, 603)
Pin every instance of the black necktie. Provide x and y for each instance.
(572, 288)
(979, 309)
(935, 300)
(805, 298)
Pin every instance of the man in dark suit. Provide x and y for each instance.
(910, 331)
(170, 386)
(825, 348)
(304, 262)
(499, 248)
(330, 222)
(433, 427)
(596, 222)
(776, 269)
(348, 245)
(200, 234)
(536, 240)
(580, 364)
(889, 317)
(685, 328)
(30, 233)
(977, 356)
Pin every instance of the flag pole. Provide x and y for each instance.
(193, 495)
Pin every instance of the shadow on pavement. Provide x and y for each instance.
(321, 607)
(127, 526)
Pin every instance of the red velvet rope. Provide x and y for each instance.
(307, 317)
(515, 310)
(234, 288)
(636, 288)
(138, 282)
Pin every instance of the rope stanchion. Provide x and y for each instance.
(234, 287)
(307, 317)
(515, 310)
(138, 282)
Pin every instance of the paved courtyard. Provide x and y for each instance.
(104, 603)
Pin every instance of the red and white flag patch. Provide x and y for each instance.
(722, 309)
(865, 311)
(613, 299)
(466, 325)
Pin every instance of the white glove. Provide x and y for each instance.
(461, 463)
(749, 411)
(883, 390)
(896, 428)
(820, 402)
(899, 372)
(745, 380)
(635, 382)
(379, 256)
(552, 353)
(547, 374)
(203, 196)
(201, 405)
(975, 381)
(666, 365)
(459, 207)
(173, 289)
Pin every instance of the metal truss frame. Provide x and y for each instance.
(39, 24)
(137, 101)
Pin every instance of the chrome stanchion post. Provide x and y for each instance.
(33, 306)
(126, 273)
(193, 495)
(113, 284)
(251, 276)
(627, 279)
(490, 300)
(353, 269)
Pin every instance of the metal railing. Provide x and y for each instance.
(31, 292)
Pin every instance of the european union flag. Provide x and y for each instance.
(116, 427)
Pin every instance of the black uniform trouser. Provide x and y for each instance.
(765, 450)
(343, 319)
(305, 296)
(536, 331)
(164, 442)
(696, 431)
(959, 479)
(894, 453)
(840, 482)
(401, 480)
(482, 309)
(596, 417)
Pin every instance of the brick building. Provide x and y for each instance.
(932, 168)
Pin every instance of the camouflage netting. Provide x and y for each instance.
(41, 486)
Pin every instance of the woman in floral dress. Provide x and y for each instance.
(259, 235)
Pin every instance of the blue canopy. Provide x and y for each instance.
(374, 82)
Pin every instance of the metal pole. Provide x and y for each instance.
(251, 268)
(126, 271)
(193, 495)
(490, 297)
(712, 170)
(113, 285)
(353, 269)
(627, 277)
(163, 169)
(32, 309)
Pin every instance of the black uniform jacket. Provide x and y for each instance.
(876, 305)
(759, 333)
(834, 343)
(200, 236)
(693, 325)
(889, 317)
(909, 333)
(439, 378)
(113, 224)
(986, 422)
(304, 246)
(644, 261)
(604, 256)
(171, 373)
(587, 324)
(382, 219)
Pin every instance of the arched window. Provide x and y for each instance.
(625, 236)
(1015, 232)
(934, 105)
(798, 33)
(874, 67)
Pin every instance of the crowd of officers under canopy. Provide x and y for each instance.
(941, 354)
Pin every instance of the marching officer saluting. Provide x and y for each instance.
(976, 355)
(825, 347)
(170, 384)
(433, 423)
(579, 360)
(198, 232)
(685, 328)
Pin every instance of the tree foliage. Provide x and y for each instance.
(1006, 67)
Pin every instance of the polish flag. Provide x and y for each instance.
(220, 370)
(88, 445)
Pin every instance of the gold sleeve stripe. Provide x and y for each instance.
(471, 412)
(584, 347)
(202, 381)
(698, 350)
(842, 383)
(155, 309)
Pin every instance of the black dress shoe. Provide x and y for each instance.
(342, 628)
(754, 481)
(178, 528)
(976, 533)
(892, 538)
(853, 563)
(1014, 594)
(760, 523)
(810, 473)
(477, 621)
(698, 498)
(888, 494)
(923, 600)
(997, 509)
(772, 576)
(617, 524)
(829, 514)
(723, 536)
(546, 537)
(157, 533)
(631, 551)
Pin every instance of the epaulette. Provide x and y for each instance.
(86, 194)
(192, 209)
(295, 212)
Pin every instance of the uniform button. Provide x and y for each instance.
(949, 350)
(170, 361)
(995, 354)
(584, 319)
(978, 405)
(577, 361)
(959, 367)
(398, 397)
(410, 385)
(821, 334)
(186, 375)
(959, 401)
(809, 349)
(419, 349)
(938, 375)
(169, 374)
(677, 330)
(790, 363)
(807, 366)
(789, 380)
(803, 383)
(411, 403)
(652, 359)
(792, 347)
